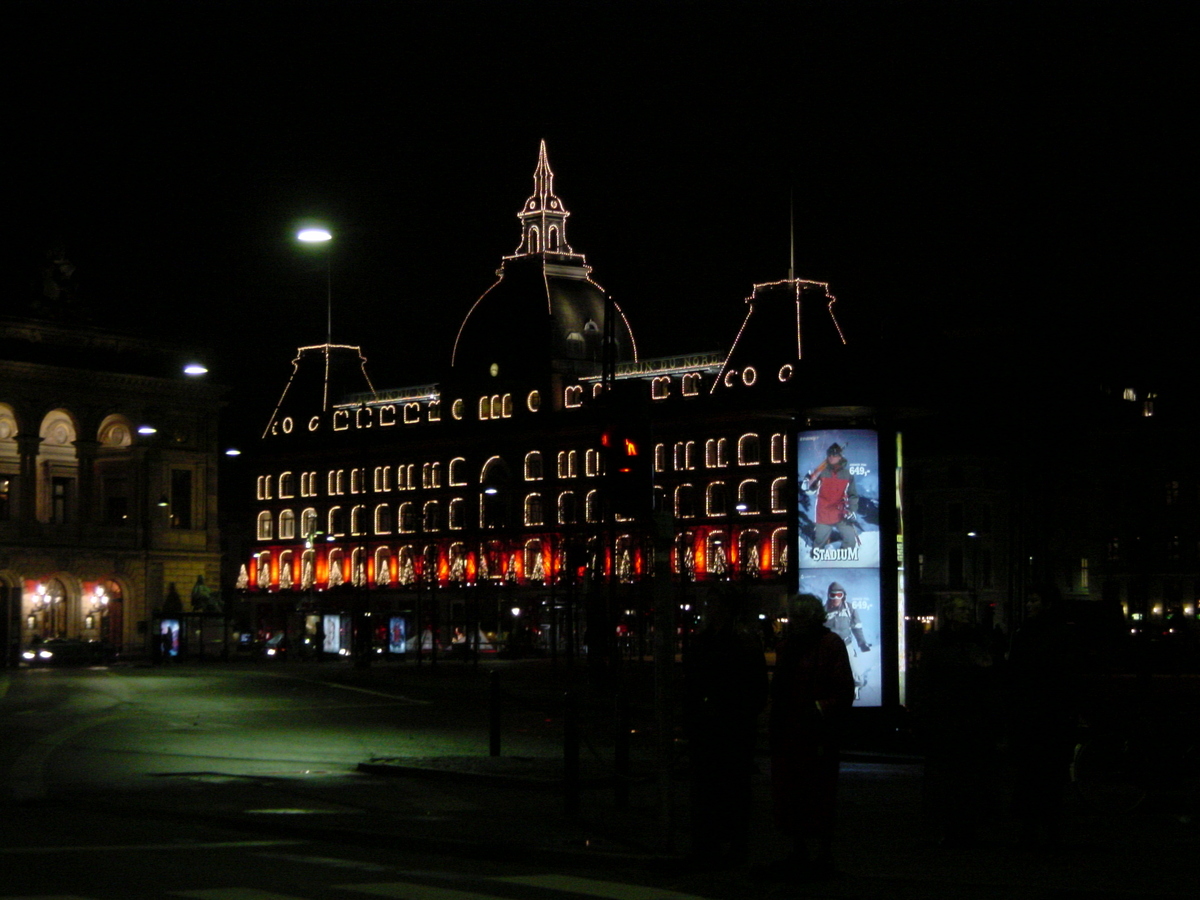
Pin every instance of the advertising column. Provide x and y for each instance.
(839, 544)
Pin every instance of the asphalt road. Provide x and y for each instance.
(244, 782)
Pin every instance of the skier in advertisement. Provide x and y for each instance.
(837, 502)
(843, 621)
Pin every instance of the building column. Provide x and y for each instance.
(28, 446)
(85, 457)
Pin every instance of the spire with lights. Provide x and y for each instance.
(543, 217)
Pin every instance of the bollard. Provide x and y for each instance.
(494, 714)
(570, 755)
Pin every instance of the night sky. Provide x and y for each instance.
(999, 185)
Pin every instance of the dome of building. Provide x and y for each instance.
(544, 315)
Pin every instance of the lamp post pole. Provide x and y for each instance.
(321, 236)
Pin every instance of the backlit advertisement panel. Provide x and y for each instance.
(839, 543)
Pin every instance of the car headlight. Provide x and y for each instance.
(28, 654)
(45, 654)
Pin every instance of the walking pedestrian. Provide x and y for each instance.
(811, 692)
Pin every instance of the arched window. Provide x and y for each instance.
(592, 506)
(383, 519)
(287, 486)
(533, 466)
(778, 448)
(779, 494)
(336, 525)
(383, 567)
(337, 574)
(748, 450)
(779, 547)
(287, 525)
(685, 501)
(535, 241)
(660, 387)
(457, 514)
(263, 491)
(535, 563)
(716, 502)
(432, 516)
(265, 526)
(691, 384)
(308, 523)
(747, 501)
(533, 510)
(286, 564)
(552, 239)
(568, 512)
(458, 472)
(408, 518)
(358, 567)
(358, 524)
(660, 457)
(717, 555)
(749, 557)
(591, 463)
(383, 479)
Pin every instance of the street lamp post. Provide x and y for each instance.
(322, 236)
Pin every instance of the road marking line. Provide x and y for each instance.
(138, 848)
(350, 687)
(610, 889)
(407, 890)
(234, 893)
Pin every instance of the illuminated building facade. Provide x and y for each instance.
(529, 494)
(108, 487)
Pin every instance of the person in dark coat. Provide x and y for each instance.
(955, 705)
(725, 690)
(1043, 709)
(811, 692)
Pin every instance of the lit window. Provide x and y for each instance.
(691, 384)
(567, 511)
(265, 526)
(383, 519)
(308, 524)
(336, 522)
(458, 514)
(747, 501)
(748, 450)
(432, 516)
(287, 525)
(685, 501)
(714, 500)
(408, 518)
(660, 387)
(778, 448)
(533, 466)
(533, 509)
(779, 489)
(287, 486)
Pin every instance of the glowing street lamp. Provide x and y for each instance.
(323, 236)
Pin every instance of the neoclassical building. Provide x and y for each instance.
(532, 487)
(108, 486)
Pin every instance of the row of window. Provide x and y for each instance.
(681, 457)
(692, 554)
(409, 517)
